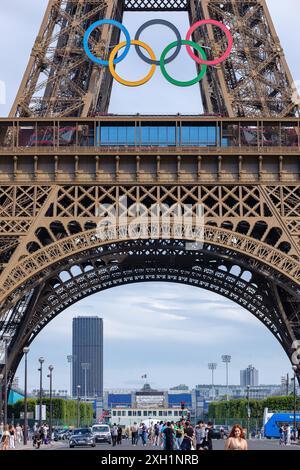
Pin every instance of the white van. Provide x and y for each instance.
(102, 433)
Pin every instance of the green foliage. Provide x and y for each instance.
(64, 411)
(238, 408)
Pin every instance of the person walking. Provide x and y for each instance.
(134, 432)
(156, 434)
(236, 439)
(119, 436)
(150, 434)
(169, 437)
(38, 439)
(12, 437)
(179, 431)
(19, 434)
(199, 435)
(5, 438)
(288, 435)
(144, 434)
(114, 434)
(207, 442)
(189, 430)
(281, 435)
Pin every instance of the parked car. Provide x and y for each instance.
(220, 431)
(82, 437)
(102, 433)
(62, 434)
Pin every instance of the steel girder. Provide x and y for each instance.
(252, 226)
(60, 80)
(269, 296)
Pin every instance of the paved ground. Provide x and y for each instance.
(263, 444)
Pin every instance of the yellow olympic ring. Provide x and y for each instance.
(126, 82)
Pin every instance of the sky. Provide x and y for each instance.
(169, 332)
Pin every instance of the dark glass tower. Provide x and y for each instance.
(87, 352)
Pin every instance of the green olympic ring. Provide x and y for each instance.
(204, 62)
(177, 82)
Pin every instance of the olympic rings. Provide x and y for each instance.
(172, 80)
(126, 82)
(152, 60)
(221, 26)
(89, 32)
(164, 23)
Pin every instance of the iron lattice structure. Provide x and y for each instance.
(51, 255)
(60, 80)
(56, 172)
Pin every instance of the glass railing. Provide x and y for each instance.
(135, 133)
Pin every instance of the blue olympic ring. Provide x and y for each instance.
(91, 29)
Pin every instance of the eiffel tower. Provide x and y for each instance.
(63, 156)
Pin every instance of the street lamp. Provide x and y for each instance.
(226, 358)
(70, 361)
(41, 361)
(25, 437)
(295, 401)
(5, 339)
(78, 406)
(212, 366)
(1, 397)
(85, 366)
(248, 410)
(51, 410)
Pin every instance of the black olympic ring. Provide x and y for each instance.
(165, 23)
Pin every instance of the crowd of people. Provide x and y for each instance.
(180, 436)
(11, 435)
(285, 434)
(168, 435)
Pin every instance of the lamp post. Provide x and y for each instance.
(1, 397)
(25, 437)
(51, 409)
(212, 366)
(248, 410)
(295, 401)
(85, 366)
(226, 358)
(5, 339)
(41, 361)
(78, 406)
(70, 361)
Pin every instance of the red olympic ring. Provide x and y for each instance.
(221, 26)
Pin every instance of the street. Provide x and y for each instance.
(254, 444)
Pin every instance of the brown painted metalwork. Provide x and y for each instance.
(246, 178)
(60, 80)
(57, 169)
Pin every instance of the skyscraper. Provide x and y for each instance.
(87, 352)
(249, 376)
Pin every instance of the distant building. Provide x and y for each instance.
(129, 406)
(249, 376)
(35, 393)
(87, 352)
(180, 387)
(258, 392)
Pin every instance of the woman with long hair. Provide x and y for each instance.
(236, 439)
(5, 438)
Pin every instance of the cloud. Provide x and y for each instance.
(170, 316)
